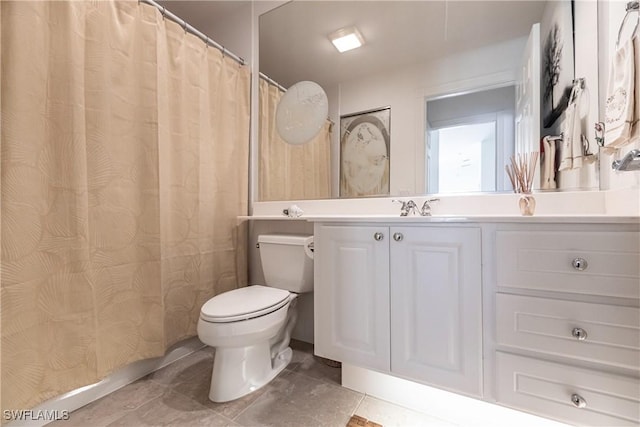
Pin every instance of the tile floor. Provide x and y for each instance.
(307, 393)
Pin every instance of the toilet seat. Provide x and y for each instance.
(243, 303)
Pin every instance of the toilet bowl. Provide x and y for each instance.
(250, 327)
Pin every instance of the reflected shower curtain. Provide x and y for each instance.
(290, 172)
(124, 165)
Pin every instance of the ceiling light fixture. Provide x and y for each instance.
(346, 39)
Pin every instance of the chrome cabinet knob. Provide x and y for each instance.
(580, 264)
(397, 237)
(378, 236)
(579, 333)
(578, 401)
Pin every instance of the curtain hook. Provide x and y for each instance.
(164, 9)
(224, 51)
(206, 42)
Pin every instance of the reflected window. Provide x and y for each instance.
(469, 139)
(466, 158)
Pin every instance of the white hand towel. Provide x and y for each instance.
(635, 125)
(620, 107)
(548, 168)
(571, 152)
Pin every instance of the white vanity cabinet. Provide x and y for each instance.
(351, 294)
(567, 322)
(404, 300)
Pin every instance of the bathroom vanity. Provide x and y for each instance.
(538, 314)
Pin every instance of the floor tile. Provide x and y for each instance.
(304, 362)
(390, 415)
(183, 369)
(315, 367)
(294, 399)
(307, 394)
(173, 409)
(301, 352)
(106, 410)
(197, 387)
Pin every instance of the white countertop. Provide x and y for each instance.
(367, 218)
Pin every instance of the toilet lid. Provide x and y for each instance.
(243, 303)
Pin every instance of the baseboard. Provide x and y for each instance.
(451, 407)
(82, 396)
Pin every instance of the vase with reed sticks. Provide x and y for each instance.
(521, 172)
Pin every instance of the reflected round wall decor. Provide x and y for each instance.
(301, 113)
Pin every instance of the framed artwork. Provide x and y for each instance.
(557, 60)
(364, 153)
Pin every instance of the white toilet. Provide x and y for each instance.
(250, 327)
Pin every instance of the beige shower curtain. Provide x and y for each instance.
(290, 172)
(124, 166)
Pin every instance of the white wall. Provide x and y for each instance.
(611, 13)
(405, 91)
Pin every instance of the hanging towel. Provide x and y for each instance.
(635, 124)
(549, 165)
(571, 152)
(620, 104)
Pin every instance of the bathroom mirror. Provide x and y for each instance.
(413, 51)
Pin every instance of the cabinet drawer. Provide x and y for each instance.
(546, 389)
(547, 326)
(544, 260)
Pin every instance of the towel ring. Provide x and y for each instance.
(632, 6)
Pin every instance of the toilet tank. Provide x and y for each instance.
(287, 261)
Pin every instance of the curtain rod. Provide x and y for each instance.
(190, 29)
(273, 82)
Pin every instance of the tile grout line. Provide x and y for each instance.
(359, 403)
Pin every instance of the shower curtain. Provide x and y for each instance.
(124, 163)
(290, 172)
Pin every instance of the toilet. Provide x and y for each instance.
(250, 327)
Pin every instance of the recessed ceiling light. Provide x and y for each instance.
(346, 39)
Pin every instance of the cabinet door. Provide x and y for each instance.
(351, 301)
(436, 323)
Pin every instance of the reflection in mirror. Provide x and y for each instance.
(286, 171)
(470, 138)
(414, 51)
(302, 112)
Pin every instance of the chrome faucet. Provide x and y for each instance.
(408, 206)
(426, 207)
(630, 162)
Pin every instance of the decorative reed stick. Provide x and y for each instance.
(521, 171)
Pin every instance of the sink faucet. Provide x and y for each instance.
(407, 207)
(426, 207)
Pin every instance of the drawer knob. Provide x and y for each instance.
(397, 237)
(578, 401)
(580, 264)
(378, 236)
(579, 333)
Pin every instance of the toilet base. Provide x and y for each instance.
(240, 371)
